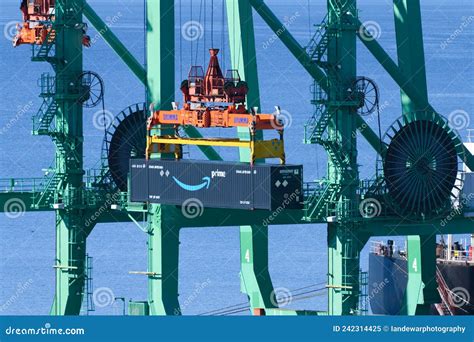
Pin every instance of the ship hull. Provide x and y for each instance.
(387, 284)
(460, 279)
(388, 281)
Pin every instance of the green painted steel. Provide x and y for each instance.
(254, 273)
(105, 31)
(428, 275)
(343, 243)
(410, 49)
(163, 261)
(302, 57)
(68, 137)
(414, 293)
(405, 83)
(411, 63)
(163, 231)
(79, 205)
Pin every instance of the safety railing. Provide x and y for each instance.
(47, 84)
(22, 184)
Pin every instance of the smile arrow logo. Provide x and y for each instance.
(205, 184)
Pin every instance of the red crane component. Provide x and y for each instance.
(212, 100)
(213, 86)
(214, 81)
(38, 16)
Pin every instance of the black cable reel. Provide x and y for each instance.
(421, 167)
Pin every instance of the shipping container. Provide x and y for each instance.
(216, 184)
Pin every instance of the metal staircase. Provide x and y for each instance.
(45, 51)
(43, 119)
(318, 44)
(316, 125)
(45, 197)
(319, 204)
(316, 206)
(334, 152)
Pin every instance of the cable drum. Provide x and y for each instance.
(421, 166)
(126, 136)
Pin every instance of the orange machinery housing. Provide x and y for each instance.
(212, 100)
(38, 16)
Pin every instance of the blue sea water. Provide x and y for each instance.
(209, 257)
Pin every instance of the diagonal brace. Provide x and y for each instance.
(404, 82)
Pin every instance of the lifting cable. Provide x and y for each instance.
(379, 157)
(197, 40)
(180, 42)
(204, 35)
(309, 21)
(212, 24)
(191, 41)
(240, 307)
(222, 35)
(145, 56)
(294, 298)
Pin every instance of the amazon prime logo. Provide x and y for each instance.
(218, 173)
(189, 187)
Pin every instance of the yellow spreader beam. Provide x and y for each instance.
(259, 149)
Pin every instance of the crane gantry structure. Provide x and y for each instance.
(81, 199)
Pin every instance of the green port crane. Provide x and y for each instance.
(81, 198)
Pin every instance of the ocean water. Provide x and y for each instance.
(209, 257)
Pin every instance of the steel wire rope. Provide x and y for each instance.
(245, 305)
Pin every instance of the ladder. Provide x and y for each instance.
(315, 207)
(43, 119)
(47, 194)
(45, 52)
(318, 44)
(88, 287)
